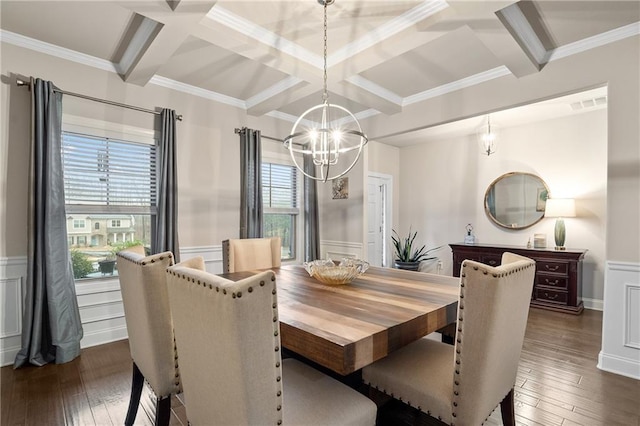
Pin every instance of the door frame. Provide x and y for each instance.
(388, 210)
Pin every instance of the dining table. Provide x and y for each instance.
(346, 327)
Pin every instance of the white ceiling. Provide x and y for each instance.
(266, 56)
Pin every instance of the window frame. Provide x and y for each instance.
(285, 160)
(120, 132)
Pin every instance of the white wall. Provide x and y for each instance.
(443, 183)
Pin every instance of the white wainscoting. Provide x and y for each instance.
(99, 302)
(13, 273)
(336, 250)
(620, 352)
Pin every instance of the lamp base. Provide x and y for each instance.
(560, 234)
(560, 247)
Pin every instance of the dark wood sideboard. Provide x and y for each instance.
(558, 281)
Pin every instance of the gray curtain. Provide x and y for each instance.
(311, 220)
(166, 235)
(51, 326)
(250, 184)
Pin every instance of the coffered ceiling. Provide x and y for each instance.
(266, 56)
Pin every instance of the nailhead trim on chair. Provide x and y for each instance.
(459, 339)
(154, 258)
(236, 296)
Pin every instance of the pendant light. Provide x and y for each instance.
(487, 137)
(328, 136)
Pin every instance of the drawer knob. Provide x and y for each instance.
(555, 296)
(551, 283)
(549, 268)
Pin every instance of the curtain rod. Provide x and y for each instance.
(104, 101)
(238, 130)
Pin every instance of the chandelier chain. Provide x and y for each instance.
(325, 95)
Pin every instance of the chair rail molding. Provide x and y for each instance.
(620, 351)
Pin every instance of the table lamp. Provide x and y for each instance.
(560, 208)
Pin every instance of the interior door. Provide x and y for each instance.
(376, 208)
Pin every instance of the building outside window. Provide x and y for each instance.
(280, 205)
(110, 189)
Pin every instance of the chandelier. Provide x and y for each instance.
(487, 137)
(327, 136)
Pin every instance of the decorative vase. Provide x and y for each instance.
(407, 266)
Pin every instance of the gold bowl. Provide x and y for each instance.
(327, 272)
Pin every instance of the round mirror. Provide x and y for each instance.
(516, 200)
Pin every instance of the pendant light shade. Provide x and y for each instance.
(327, 136)
(488, 137)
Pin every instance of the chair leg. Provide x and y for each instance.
(137, 381)
(507, 410)
(163, 411)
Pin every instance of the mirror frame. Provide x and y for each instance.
(499, 178)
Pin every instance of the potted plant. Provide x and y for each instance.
(407, 257)
(108, 264)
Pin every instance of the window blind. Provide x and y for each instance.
(279, 187)
(107, 175)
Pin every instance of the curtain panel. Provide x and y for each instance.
(167, 215)
(51, 327)
(250, 183)
(311, 217)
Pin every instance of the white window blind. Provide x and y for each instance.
(279, 188)
(108, 175)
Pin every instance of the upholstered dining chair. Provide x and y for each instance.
(250, 253)
(228, 339)
(462, 384)
(143, 282)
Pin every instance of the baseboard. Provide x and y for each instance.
(8, 354)
(618, 365)
(593, 304)
(107, 335)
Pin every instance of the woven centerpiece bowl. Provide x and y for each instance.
(327, 272)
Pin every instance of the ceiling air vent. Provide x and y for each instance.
(589, 103)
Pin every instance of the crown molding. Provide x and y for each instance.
(386, 30)
(279, 87)
(482, 77)
(588, 43)
(370, 86)
(57, 51)
(197, 91)
(264, 36)
(521, 26)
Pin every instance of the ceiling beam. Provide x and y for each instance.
(162, 30)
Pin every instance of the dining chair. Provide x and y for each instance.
(463, 383)
(143, 284)
(250, 253)
(228, 339)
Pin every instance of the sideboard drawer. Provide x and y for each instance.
(544, 265)
(552, 281)
(548, 295)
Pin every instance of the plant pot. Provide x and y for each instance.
(407, 266)
(107, 266)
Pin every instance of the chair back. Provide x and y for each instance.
(250, 253)
(146, 306)
(228, 341)
(492, 318)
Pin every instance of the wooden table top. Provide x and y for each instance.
(347, 327)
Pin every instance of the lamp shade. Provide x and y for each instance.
(560, 207)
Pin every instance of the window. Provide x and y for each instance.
(280, 202)
(112, 183)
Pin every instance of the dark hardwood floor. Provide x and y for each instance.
(558, 384)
